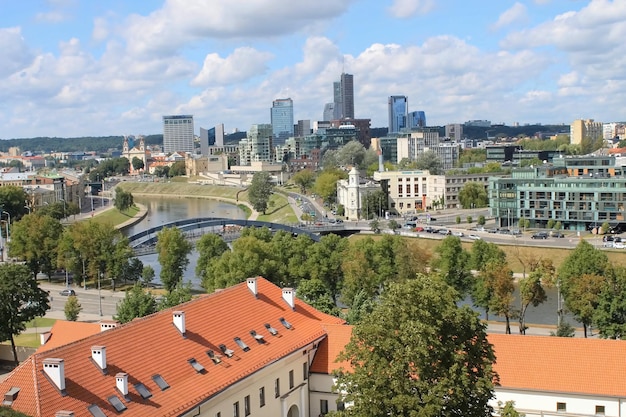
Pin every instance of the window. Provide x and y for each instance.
(305, 371)
(599, 410)
(242, 344)
(142, 390)
(277, 388)
(324, 406)
(236, 409)
(291, 379)
(561, 407)
(246, 405)
(158, 379)
(262, 397)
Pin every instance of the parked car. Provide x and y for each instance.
(540, 235)
(67, 292)
(557, 234)
(619, 245)
(474, 237)
(445, 232)
(418, 229)
(458, 234)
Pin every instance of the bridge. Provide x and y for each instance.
(145, 242)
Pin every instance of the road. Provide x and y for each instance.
(89, 299)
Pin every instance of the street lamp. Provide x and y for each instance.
(99, 294)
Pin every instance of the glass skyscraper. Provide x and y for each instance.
(417, 119)
(178, 133)
(282, 120)
(347, 96)
(398, 113)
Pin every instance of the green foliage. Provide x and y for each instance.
(173, 249)
(9, 412)
(583, 260)
(531, 293)
(362, 305)
(458, 220)
(34, 239)
(325, 259)
(315, 293)
(508, 410)
(470, 220)
(341, 210)
(375, 226)
(374, 204)
(472, 156)
(551, 223)
(393, 224)
(147, 275)
(564, 329)
(429, 161)
(304, 179)
(418, 353)
(260, 191)
(558, 225)
(605, 228)
(22, 301)
(584, 296)
(610, 314)
(499, 280)
(72, 308)
(136, 303)
(177, 169)
(209, 247)
(137, 164)
(326, 184)
(481, 220)
(12, 200)
(109, 167)
(123, 199)
(162, 171)
(473, 195)
(453, 263)
(180, 294)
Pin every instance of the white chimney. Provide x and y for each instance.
(99, 356)
(107, 325)
(121, 382)
(289, 295)
(252, 286)
(179, 321)
(55, 370)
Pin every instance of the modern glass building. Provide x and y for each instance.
(574, 192)
(257, 146)
(282, 120)
(178, 133)
(417, 119)
(398, 107)
(347, 96)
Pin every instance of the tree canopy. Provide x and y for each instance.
(260, 191)
(173, 250)
(418, 354)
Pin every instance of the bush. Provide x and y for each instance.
(470, 219)
(72, 308)
(458, 219)
(481, 220)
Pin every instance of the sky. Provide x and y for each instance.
(71, 68)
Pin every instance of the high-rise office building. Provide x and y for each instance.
(178, 133)
(347, 96)
(417, 119)
(329, 112)
(282, 120)
(303, 128)
(337, 101)
(398, 113)
(257, 146)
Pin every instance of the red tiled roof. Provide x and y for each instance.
(337, 337)
(64, 332)
(152, 345)
(561, 364)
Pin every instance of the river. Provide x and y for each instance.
(167, 209)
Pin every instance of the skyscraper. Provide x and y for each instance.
(347, 96)
(398, 113)
(282, 120)
(178, 133)
(417, 119)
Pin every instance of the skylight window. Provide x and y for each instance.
(258, 337)
(285, 323)
(158, 379)
(226, 351)
(242, 344)
(142, 390)
(196, 365)
(215, 358)
(270, 329)
(117, 404)
(96, 411)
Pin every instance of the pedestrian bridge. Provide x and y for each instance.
(144, 242)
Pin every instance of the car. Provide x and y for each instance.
(558, 234)
(474, 237)
(67, 292)
(429, 229)
(445, 232)
(619, 245)
(539, 235)
(338, 221)
(458, 234)
(418, 229)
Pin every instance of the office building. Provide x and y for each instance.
(329, 112)
(454, 132)
(210, 138)
(585, 129)
(178, 133)
(398, 107)
(343, 97)
(303, 128)
(282, 120)
(417, 119)
(257, 146)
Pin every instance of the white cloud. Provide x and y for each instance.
(241, 65)
(14, 53)
(408, 8)
(515, 14)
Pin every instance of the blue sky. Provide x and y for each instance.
(91, 68)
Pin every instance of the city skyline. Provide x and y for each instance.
(70, 68)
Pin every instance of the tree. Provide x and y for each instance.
(351, 154)
(481, 220)
(6, 411)
(162, 171)
(147, 275)
(12, 200)
(605, 228)
(22, 301)
(393, 224)
(326, 184)
(584, 297)
(418, 353)
(178, 169)
(136, 303)
(315, 293)
(325, 261)
(180, 294)
(584, 259)
(453, 263)
(458, 220)
(470, 220)
(610, 315)
(500, 277)
(508, 410)
(137, 164)
(564, 329)
(209, 247)
(72, 308)
(173, 249)
(304, 179)
(123, 199)
(260, 191)
(35, 239)
(430, 162)
(375, 226)
(531, 292)
(473, 195)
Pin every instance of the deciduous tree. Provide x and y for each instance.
(260, 191)
(123, 199)
(72, 308)
(180, 294)
(209, 247)
(473, 195)
(304, 179)
(35, 239)
(136, 303)
(610, 315)
(453, 263)
(418, 354)
(173, 250)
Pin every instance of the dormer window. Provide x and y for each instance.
(285, 323)
(228, 352)
(242, 344)
(258, 337)
(270, 329)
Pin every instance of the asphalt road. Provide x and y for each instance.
(89, 299)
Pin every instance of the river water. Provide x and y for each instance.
(167, 209)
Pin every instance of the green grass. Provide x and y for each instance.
(279, 211)
(40, 322)
(180, 189)
(31, 340)
(115, 217)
